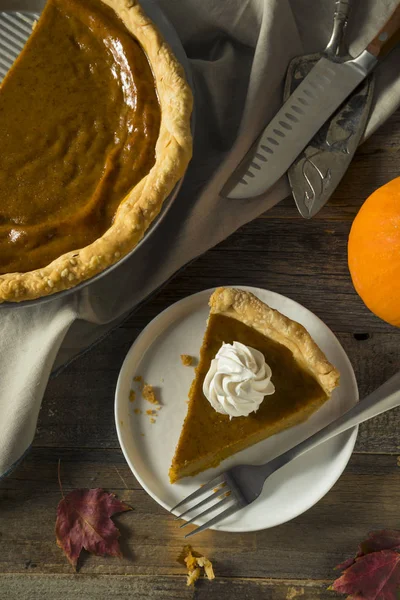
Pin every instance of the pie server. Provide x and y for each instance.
(316, 172)
(317, 97)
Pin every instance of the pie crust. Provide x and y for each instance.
(143, 203)
(247, 308)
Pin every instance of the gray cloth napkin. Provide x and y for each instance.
(239, 51)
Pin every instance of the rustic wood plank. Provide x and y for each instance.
(44, 587)
(363, 499)
(78, 408)
(305, 260)
(79, 468)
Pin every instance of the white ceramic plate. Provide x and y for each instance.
(149, 447)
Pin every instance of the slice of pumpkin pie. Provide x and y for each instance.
(259, 373)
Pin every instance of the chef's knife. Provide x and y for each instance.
(317, 171)
(324, 89)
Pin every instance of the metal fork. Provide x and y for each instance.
(240, 486)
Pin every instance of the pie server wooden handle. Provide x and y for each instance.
(388, 37)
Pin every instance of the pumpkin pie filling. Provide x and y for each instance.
(293, 393)
(79, 122)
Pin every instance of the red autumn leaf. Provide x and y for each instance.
(385, 539)
(83, 521)
(374, 576)
(347, 563)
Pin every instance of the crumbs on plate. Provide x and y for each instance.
(196, 566)
(149, 394)
(187, 360)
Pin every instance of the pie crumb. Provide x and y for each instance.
(137, 411)
(132, 396)
(138, 379)
(148, 394)
(207, 566)
(187, 360)
(294, 592)
(193, 576)
(150, 412)
(152, 420)
(194, 564)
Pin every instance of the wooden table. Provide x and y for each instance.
(305, 260)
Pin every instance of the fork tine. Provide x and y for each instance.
(215, 494)
(229, 511)
(211, 484)
(205, 512)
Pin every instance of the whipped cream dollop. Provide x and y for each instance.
(238, 380)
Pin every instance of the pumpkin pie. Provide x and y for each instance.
(303, 378)
(95, 133)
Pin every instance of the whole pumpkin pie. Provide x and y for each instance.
(302, 381)
(95, 133)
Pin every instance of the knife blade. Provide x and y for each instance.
(321, 92)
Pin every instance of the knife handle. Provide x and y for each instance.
(388, 37)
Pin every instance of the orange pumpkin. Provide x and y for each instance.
(374, 252)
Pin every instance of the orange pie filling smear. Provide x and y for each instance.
(209, 437)
(79, 121)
